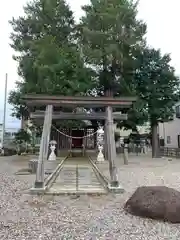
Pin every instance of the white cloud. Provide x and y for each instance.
(162, 18)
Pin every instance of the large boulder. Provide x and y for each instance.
(155, 202)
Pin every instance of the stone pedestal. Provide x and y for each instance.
(100, 157)
(33, 163)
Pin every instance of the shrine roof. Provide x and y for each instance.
(40, 100)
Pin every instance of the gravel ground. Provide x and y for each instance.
(61, 217)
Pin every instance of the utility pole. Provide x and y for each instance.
(4, 116)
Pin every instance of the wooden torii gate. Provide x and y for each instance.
(36, 102)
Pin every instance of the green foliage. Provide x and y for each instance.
(116, 136)
(157, 85)
(137, 116)
(19, 109)
(135, 137)
(109, 35)
(48, 58)
(22, 136)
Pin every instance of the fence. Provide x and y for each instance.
(134, 149)
(170, 152)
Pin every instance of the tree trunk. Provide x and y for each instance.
(155, 141)
(23, 123)
(108, 93)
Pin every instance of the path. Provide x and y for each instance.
(77, 175)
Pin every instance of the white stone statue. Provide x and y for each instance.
(100, 157)
(100, 140)
(100, 136)
(52, 156)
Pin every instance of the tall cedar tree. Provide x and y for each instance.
(48, 58)
(111, 37)
(110, 34)
(157, 86)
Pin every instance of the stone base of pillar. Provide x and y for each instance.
(115, 187)
(38, 184)
(36, 191)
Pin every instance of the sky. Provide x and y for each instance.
(162, 18)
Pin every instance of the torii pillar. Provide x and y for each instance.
(111, 151)
(105, 142)
(44, 146)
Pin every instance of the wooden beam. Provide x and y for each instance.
(78, 116)
(71, 101)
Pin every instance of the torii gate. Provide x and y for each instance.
(50, 102)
